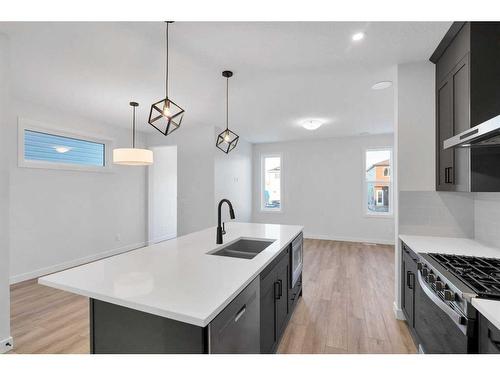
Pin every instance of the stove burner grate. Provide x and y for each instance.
(480, 274)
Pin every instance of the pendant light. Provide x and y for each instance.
(227, 140)
(166, 116)
(132, 156)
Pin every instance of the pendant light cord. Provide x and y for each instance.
(133, 128)
(166, 65)
(227, 103)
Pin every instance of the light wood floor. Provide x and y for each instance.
(346, 307)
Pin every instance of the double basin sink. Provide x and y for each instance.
(243, 249)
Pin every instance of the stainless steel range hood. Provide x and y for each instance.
(485, 134)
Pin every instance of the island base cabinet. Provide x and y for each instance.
(119, 330)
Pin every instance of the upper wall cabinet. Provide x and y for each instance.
(467, 94)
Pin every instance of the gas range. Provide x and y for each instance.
(482, 275)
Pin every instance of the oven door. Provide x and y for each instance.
(440, 328)
(296, 258)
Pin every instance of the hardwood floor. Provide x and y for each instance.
(346, 307)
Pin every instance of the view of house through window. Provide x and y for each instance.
(271, 178)
(378, 181)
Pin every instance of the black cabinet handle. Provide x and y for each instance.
(280, 282)
(447, 175)
(408, 279)
(277, 290)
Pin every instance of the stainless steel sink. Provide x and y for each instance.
(244, 249)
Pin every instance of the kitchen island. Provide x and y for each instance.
(177, 296)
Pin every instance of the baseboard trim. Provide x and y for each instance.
(73, 263)
(162, 238)
(348, 239)
(6, 345)
(398, 313)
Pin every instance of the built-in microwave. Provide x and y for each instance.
(296, 259)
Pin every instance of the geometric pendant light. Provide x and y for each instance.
(165, 115)
(132, 156)
(227, 140)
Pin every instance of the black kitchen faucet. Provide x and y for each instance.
(219, 227)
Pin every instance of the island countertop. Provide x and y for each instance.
(177, 279)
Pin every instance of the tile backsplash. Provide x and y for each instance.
(435, 213)
(487, 218)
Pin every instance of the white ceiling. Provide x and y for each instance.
(284, 72)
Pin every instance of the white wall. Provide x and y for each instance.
(162, 200)
(233, 180)
(195, 175)
(4, 196)
(63, 218)
(416, 126)
(323, 188)
(487, 218)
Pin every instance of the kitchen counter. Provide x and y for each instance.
(449, 245)
(177, 279)
(459, 246)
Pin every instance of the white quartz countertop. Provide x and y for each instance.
(459, 246)
(449, 245)
(177, 279)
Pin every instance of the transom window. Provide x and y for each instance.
(46, 147)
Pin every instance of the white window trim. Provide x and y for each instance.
(366, 212)
(262, 180)
(25, 124)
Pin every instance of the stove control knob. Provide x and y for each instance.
(439, 286)
(425, 271)
(432, 278)
(449, 295)
(420, 266)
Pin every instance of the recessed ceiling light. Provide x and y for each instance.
(62, 149)
(382, 85)
(312, 124)
(358, 36)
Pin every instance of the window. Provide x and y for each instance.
(378, 192)
(49, 148)
(271, 183)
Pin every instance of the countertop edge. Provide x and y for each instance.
(487, 313)
(189, 319)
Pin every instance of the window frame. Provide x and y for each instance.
(368, 213)
(262, 182)
(26, 124)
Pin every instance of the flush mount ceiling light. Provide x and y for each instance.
(312, 124)
(132, 156)
(166, 116)
(227, 140)
(358, 36)
(382, 85)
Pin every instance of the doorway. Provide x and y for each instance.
(162, 196)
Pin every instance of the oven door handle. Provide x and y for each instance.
(459, 320)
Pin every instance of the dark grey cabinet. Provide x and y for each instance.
(489, 337)
(274, 311)
(408, 284)
(467, 81)
(236, 329)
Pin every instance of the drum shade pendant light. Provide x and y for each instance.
(132, 156)
(166, 116)
(227, 140)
